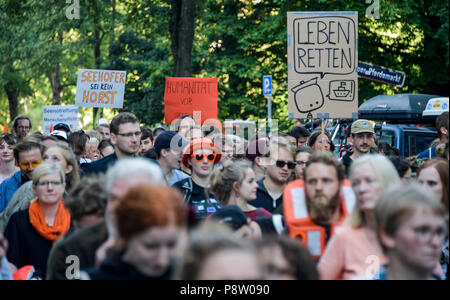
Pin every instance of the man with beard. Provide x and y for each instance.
(362, 134)
(315, 206)
(125, 136)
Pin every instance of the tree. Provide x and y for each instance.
(182, 24)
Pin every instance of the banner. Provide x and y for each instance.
(54, 114)
(100, 88)
(322, 61)
(188, 95)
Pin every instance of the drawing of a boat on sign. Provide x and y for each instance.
(342, 90)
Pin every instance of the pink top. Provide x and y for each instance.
(253, 214)
(349, 254)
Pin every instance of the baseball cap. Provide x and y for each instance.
(360, 126)
(165, 138)
(60, 135)
(62, 126)
(230, 215)
(103, 121)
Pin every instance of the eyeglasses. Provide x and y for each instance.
(290, 164)
(28, 165)
(200, 157)
(46, 183)
(131, 134)
(301, 163)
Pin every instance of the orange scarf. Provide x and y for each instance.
(60, 226)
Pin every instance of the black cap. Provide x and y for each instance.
(62, 126)
(230, 215)
(165, 138)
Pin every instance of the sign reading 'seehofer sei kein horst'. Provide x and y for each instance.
(322, 60)
(100, 88)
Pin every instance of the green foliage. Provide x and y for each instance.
(236, 41)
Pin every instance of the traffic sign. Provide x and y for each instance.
(267, 85)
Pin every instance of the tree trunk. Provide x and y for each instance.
(54, 78)
(96, 64)
(181, 26)
(13, 94)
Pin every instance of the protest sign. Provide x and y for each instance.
(322, 60)
(100, 88)
(188, 95)
(54, 114)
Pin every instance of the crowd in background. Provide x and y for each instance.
(193, 202)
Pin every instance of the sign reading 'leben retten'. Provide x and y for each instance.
(322, 60)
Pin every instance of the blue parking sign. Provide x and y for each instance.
(267, 85)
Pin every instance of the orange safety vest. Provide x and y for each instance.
(299, 223)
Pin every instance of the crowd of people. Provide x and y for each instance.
(192, 202)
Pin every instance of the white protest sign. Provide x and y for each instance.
(54, 114)
(322, 61)
(100, 88)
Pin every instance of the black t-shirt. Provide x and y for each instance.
(196, 196)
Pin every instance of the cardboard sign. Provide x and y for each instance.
(54, 114)
(100, 88)
(322, 61)
(188, 95)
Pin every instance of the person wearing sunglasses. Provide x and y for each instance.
(32, 232)
(279, 166)
(200, 157)
(28, 155)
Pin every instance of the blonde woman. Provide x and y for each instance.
(235, 184)
(32, 232)
(354, 248)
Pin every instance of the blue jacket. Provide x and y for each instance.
(8, 188)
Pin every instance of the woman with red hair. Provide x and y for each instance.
(151, 222)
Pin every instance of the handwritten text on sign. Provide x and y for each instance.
(100, 88)
(184, 95)
(324, 45)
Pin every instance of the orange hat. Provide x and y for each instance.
(201, 143)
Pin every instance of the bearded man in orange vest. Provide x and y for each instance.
(315, 207)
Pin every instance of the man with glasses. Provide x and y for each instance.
(279, 166)
(28, 155)
(21, 126)
(125, 137)
(200, 156)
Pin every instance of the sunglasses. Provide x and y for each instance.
(281, 163)
(200, 157)
(28, 165)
